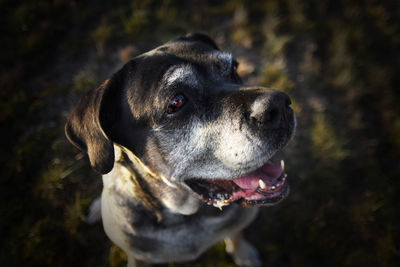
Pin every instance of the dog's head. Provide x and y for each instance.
(183, 111)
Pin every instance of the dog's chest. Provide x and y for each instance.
(183, 237)
(170, 237)
(175, 237)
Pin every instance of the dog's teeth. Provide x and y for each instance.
(262, 184)
(282, 164)
(220, 204)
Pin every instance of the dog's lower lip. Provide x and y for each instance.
(264, 189)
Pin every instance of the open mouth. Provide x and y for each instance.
(265, 186)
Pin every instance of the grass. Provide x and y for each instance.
(338, 60)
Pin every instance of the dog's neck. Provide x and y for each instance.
(156, 192)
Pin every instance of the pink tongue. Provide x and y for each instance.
(268, 173)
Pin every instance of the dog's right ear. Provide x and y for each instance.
(89, 122)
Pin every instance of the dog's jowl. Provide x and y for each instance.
(187, 152)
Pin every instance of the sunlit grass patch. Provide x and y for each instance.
(137, 20)
(274, 76)
(117, 257)
(327, 145)
(75, 214)
(42, 234)
(101, 35)
(86, 80)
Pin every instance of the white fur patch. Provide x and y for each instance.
(258, 106)
(183, 74)
(235, 147)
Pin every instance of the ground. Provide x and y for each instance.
(338, 60)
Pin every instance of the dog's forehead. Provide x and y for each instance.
(215, 64)
(181, 74)
(190, 63)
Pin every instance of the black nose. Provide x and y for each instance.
(270, 109)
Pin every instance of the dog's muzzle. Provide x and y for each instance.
(270, 118)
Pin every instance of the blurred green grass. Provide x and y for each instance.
(338, 60)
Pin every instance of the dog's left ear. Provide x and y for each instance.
(88, 124)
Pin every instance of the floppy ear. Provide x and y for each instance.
(89, 122)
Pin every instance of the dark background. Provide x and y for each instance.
(338, 60)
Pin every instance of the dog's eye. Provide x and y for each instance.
(176, 103)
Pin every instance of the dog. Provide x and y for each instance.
(187, 152)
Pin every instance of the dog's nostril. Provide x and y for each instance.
(271, 115)
(269, 110)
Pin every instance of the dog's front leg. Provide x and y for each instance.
(132, 262)
(243, 254)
